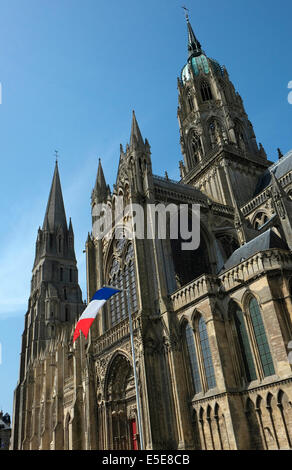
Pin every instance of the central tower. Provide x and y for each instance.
(221, 154)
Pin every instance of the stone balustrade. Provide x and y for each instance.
(116, 333)
(255, 265)
(203, 286)
(265, 195)
(252, 267)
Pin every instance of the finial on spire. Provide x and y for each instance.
(186, 12)
(56, 155)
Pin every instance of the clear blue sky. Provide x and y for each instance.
(72, 71)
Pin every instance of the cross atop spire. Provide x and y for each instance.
(186, 12)
(55, 213)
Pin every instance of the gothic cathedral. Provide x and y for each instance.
(212, 327)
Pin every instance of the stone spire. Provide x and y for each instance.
(55, 214)
(100, 190)
(136, 136)
(70, 226)
(194, 46)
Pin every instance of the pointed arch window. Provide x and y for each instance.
(261, 338)
(206, 353)
(200, 357)
(260, 219)
(240, 136)
(244, 344)
(196, 147)
(216, 132)
(206, 91)
(190, 341)
(190, 100)
(123, 276)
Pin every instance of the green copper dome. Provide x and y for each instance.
(200, 64)
(197, 60)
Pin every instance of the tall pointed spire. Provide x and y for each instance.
(100, 187)
(194, 46)
(55, 213)
(136, 136)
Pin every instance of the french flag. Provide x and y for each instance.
(87, 318)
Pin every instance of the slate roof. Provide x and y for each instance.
(265, 241)
(280, 168)
(176, 186)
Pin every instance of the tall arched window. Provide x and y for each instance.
(243, 339)
(190, 341)
(215, 132)
(206, 354)
(240, 136)
(190, 100)
(261, 338)
(196, 147)
(206, 91)
(200, 357)
(122, 275)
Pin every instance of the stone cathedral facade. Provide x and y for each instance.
(212, 327)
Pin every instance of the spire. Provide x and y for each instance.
(100, 187)
(136, 137)
(70, 226)
(194, 46)
(55, 212)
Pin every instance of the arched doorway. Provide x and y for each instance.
(121, 405)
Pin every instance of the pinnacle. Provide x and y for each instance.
(55, 213)
(136, 136)
(100, 183)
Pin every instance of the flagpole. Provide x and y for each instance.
(135, 372)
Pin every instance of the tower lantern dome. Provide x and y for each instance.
(198, 62)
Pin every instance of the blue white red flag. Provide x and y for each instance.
(87, 318)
